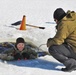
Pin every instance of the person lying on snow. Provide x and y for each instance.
(20, 51)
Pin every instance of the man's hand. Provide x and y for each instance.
(48, 42)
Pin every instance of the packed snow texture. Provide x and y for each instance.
(38, 13)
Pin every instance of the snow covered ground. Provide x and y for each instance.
(39, 13)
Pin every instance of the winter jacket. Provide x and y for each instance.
(66, 31)
(9, 54)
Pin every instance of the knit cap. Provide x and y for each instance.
(59, 13)
(20, 40)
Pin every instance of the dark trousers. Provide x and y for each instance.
(64, 54)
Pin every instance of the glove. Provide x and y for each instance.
(17, 56)
(25, 55)
(48, 42)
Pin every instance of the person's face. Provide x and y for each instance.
(20, 46)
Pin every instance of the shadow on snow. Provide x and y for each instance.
(38, 63)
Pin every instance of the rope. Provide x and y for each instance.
(46, 53)
(40, 46)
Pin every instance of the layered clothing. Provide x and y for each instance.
(10, 54)
(66, 31)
